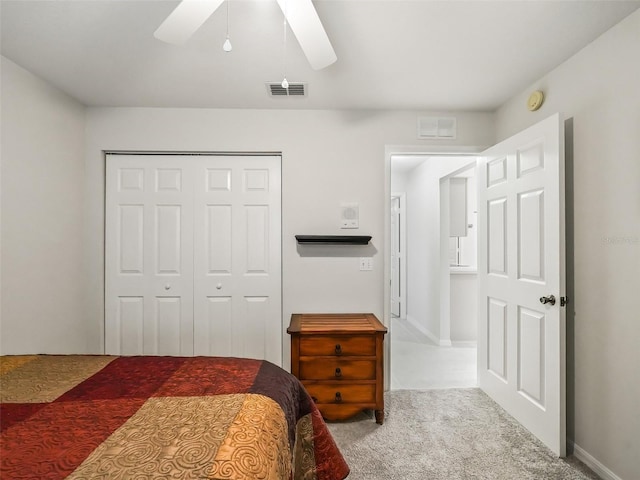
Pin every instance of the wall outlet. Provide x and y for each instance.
(366, 263)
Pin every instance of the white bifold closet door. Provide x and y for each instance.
(193, 256)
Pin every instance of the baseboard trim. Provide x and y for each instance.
(438, 341)
(428, 334)
(464, 343)
(593, 463)
(418, 327)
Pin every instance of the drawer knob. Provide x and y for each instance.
(338, 397)
(338, 372)
(315, 400)
(338, 349)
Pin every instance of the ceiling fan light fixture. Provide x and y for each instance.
(301, 15)
(226, 46)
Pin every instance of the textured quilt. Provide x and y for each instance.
(99, 417)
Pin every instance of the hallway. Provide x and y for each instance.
(418, 364)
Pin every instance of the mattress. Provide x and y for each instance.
(105, 417)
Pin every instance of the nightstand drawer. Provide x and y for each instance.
(314, 368)
(340, 393)
(322, 345)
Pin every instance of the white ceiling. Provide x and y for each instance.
(403, 164)
(392, 54)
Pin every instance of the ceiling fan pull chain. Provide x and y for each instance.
(227, 43)
(285, 82)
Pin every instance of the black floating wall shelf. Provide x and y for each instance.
(333, 239)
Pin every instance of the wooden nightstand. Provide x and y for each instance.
(338, 358)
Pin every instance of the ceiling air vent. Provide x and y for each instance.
(294, 90)
(437, 127)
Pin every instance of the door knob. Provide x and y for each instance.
(548, 299)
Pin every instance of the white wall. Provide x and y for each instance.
(398, 181)
(421, 214)
(53, 199)
(42, 217)
(598, 89)
(329, 157)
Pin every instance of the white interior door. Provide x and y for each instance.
(148, 256)
(521, 255)
(237, 258)
(192, 256)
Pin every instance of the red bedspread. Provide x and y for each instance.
(100, 417)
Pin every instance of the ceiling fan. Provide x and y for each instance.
(301, 16)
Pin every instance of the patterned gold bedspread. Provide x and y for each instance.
(100, 417)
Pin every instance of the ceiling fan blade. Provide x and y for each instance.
(183, 22)
(305, 24)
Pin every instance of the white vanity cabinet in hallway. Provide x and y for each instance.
(464, 307)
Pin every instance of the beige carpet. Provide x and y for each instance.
(447, 434)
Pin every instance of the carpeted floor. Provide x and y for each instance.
(447, 434)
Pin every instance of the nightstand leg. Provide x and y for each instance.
(380, 416)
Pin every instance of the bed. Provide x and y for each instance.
(103, 417)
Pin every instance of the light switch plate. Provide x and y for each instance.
(366, 263)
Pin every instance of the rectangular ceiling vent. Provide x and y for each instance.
(295, 89)
(437, 127)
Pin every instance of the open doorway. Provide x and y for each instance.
(433, 332)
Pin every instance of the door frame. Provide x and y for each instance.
(389, 151)
(106, 152)
(402, 232)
